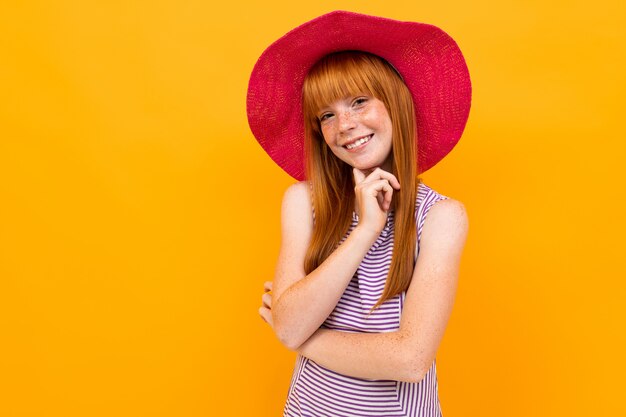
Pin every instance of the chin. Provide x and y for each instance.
(368, 169)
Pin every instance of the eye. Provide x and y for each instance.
(359, 101)
(325, 116)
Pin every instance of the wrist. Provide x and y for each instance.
(365, 233)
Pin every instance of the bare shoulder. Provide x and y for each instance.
(446, 224)
(297, 199)
(298, 190)
(296, 209)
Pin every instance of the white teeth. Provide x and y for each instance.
(358, 142)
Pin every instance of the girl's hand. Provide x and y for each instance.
(266, 309)
(373, 197)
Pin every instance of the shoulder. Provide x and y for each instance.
(297, 195)
(447, 223)
(296, 206)
(448, 210)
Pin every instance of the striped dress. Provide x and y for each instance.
(316, 391)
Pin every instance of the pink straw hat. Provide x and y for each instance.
(427, 58)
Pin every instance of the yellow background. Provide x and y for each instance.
(139, 217)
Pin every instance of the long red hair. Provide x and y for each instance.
(334, 77)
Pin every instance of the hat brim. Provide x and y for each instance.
(428, 59)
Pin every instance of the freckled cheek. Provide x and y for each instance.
(370, 116)
(328, 133)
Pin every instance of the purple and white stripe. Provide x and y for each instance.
(316, 391)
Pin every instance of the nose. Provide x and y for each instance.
(346, 121)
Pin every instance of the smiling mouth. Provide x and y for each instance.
(359, 142)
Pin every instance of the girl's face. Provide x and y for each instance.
(358, 131)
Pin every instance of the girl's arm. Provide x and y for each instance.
(300, 302)
(408, 353)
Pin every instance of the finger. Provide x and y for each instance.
(266, 315)
(267, 300)
(359, 176)
(388, 195)
(381, 200)
(379, 173)
(267, 286)
(389, 177)
(383, 192)
(380, 189)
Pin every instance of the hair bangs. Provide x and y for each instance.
(338, 76)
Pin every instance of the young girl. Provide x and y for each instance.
(355, 107)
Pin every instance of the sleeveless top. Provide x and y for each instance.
(316, 391)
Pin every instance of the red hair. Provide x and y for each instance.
(334, 77)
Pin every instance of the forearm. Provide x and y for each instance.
(365, 355)
(302, 308)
